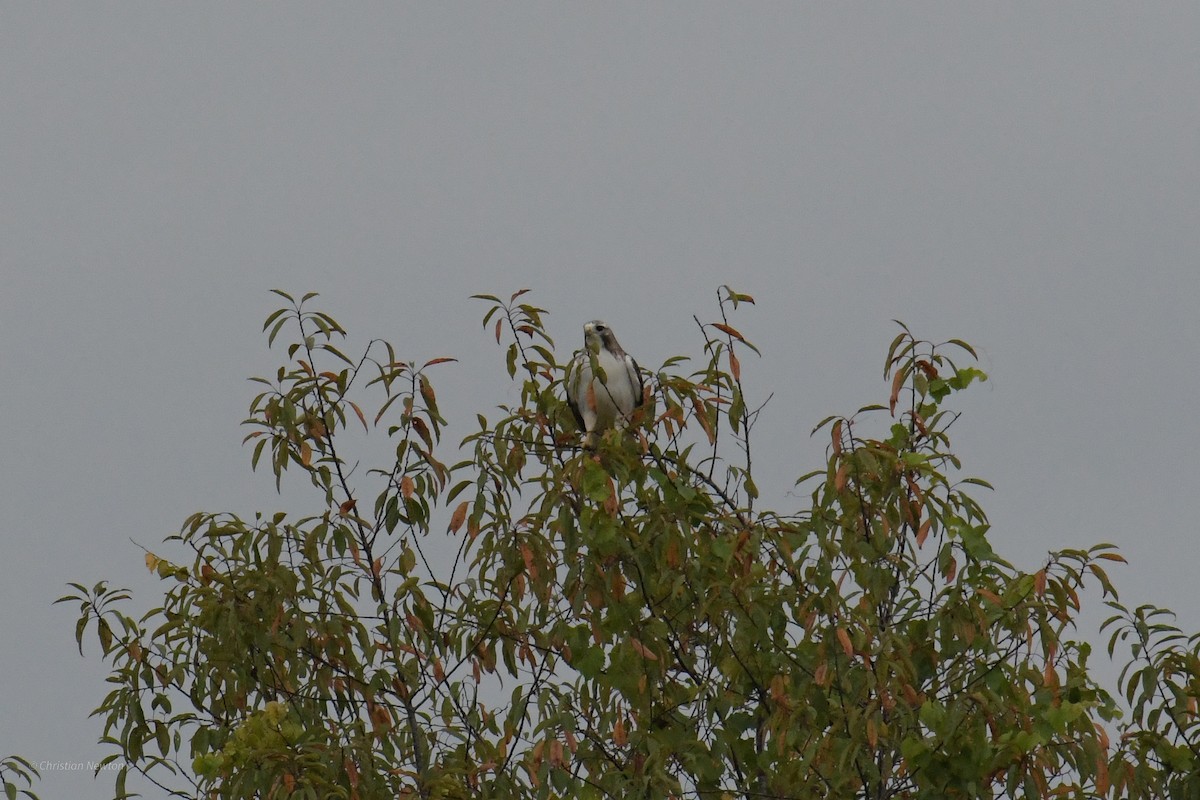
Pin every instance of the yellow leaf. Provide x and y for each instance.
(152, 561)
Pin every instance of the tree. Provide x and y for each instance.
(16, 773)
(526, 618)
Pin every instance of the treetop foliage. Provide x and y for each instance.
(516, 616)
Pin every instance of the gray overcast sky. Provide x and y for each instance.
(1022, 175)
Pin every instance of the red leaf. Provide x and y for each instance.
(499, 322)
(442, 360)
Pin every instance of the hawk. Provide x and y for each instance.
(600, 400)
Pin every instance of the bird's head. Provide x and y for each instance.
(597, 335)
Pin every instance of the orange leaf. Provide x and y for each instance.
(406, 486)
(358, 411)
(427, 393)
(1113, 557)
(348, 506)
(990, 595)
(381, 719)
(1039, 582)
(731, 331)
(735, 367)
(527, 555)
(1049, 676)
(499, 322)
(458, 517)
(305, 454)
(702, 418)
(672, 554)
(619, 736)
(642, 650)
(207, 574)
(839, 477)
(779, 690)
(820, 674)
(923, 532)
(897, 384)
(423, 431)
(836, 436)
(441, 360)
(610, 502)
(920, 423)
(844, 637)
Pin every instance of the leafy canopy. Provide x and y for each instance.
(519, 617)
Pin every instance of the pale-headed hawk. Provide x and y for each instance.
(602, 400)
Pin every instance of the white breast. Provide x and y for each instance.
(614, 399)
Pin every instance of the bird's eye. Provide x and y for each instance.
(600, 328)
